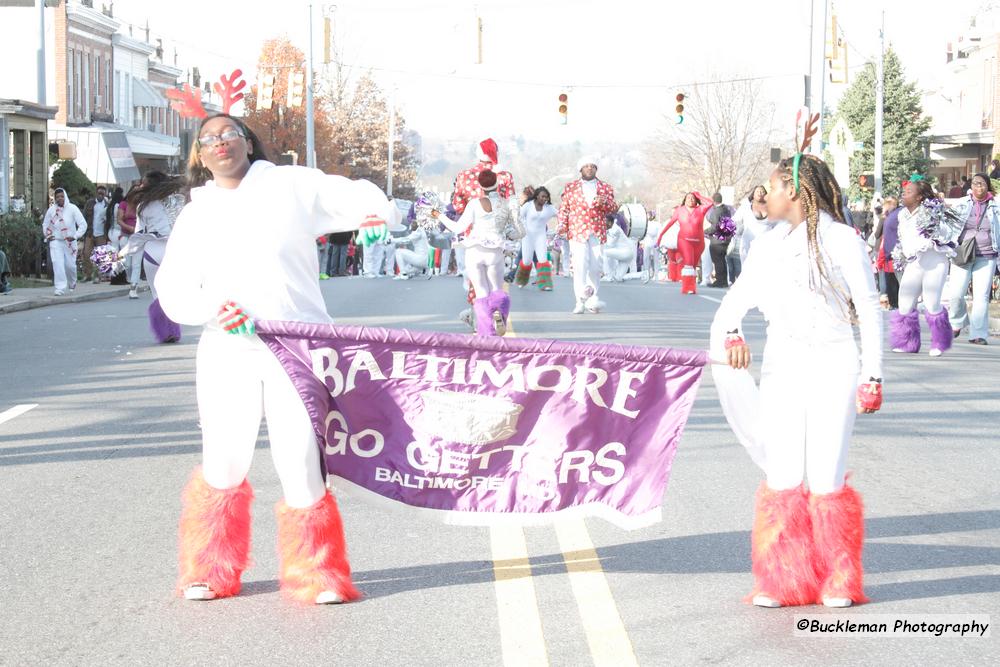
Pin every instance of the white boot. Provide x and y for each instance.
(578, 310)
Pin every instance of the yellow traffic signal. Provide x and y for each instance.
(265, 91)
(563, 108)
(296, 88)
(679, 109)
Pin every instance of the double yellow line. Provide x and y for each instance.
(521, 638)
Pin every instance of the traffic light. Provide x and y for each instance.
(265, 91)
(563, 108)
(679, 109)
(296, 87)
(866, 181)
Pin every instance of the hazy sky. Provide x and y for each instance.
(621, 62)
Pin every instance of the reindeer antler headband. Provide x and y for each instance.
(187, 101)
(808, 132)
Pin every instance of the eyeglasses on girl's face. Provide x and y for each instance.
(978, 183)
(211, 140)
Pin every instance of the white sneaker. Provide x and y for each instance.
(329, 597)
(764, 601)
(839, 603)
(199, 592)
(593, 305)
(936, 352)
(578, 310)
(498, 324)
(58, 292)
(466, 316)
(132, 294)
(401, 276)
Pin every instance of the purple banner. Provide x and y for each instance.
(481, 430)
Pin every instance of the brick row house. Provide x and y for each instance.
(106, 88)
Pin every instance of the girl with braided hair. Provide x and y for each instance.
(812, 280)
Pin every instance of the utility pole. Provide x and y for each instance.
(310, 121)
(817, 147)
(391, 140)
(879, 104)
(41, 53)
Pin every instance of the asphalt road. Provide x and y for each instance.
(89, 499)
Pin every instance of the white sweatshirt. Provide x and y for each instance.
(65, 222)
(535, 221)
(256, 244)
(776, 280)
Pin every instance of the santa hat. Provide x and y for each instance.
(488, 151)
(585, 160)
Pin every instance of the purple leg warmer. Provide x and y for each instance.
(941, 334)
(484, 317)
(904, 331)
(500, 300)
(164, 329)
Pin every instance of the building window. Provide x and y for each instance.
(86, 85)
(70, 83)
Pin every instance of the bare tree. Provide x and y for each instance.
(724, 140)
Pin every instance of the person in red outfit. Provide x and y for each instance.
(691, 239)
(467, 186)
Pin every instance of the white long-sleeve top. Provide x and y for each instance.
(64, 222)
(535, 221)
(158, 217)
(776, 280)
(753, 228)
(618, 239)
(418, 239)
(256, 244)
(486, 228)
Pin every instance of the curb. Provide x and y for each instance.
(40, 302)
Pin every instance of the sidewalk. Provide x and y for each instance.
(26, 298)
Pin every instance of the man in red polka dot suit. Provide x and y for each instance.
(582, 209)
(467, 185)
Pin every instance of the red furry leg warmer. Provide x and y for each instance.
(313, 552)
(214, 535)
(782, 547)
(839, 535)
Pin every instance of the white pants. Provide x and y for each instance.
(152, 255)
(652, 262)
(587, 264)
(534, 243)
(706, 264)
(409, 261)
(484, 268)
(980, 274)
(618, 261)
(460, 259)
(133, 263)
(807, 412)
(238, 380)
(445, 261)
(62, 254)
(924, 277)
(374, 258)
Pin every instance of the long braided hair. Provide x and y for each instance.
(818, 191)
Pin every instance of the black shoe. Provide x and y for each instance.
(978, 341)
(956, 332)
(6, 288)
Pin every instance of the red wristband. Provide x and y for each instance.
(733, 341)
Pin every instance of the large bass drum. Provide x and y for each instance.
(636, 219)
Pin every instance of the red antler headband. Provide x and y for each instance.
(187, 101)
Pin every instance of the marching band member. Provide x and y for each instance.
(535, 216)
(690, 218)
(244, 248)
(619, 252)
(582, 208)
(811, 278)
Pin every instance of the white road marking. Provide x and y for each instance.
(609, 642)
(709, 298)
(16, 411)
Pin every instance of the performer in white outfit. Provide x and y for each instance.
(245, 249)
(752, 214)
(487, 224)
(63, 226)
(619, 252)
(158, 203)
(536, 214)
(926, 241)
(652, 257)
(412, 262)
(812, 279)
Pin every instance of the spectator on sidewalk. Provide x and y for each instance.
(5, 286)
(95, 212)
(63, 227)
(717, 248)
(956, 191)
(336, 263)
(125, 216)
(982, 222)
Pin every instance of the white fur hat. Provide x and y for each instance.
(585, 160)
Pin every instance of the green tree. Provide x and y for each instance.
(903, 125)
(78, 187)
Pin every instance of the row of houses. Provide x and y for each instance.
(104, 98)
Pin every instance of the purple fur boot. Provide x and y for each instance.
(484, 317)
(904, 331)
(164, 329)
(941, 334)
(500, 304)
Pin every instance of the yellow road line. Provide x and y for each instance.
(521, 638)
(606, 635)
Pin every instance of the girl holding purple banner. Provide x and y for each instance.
(812, 280)
(244, 248)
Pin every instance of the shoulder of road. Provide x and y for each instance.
(26, 298)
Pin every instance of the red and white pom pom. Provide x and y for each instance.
(870, 396)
